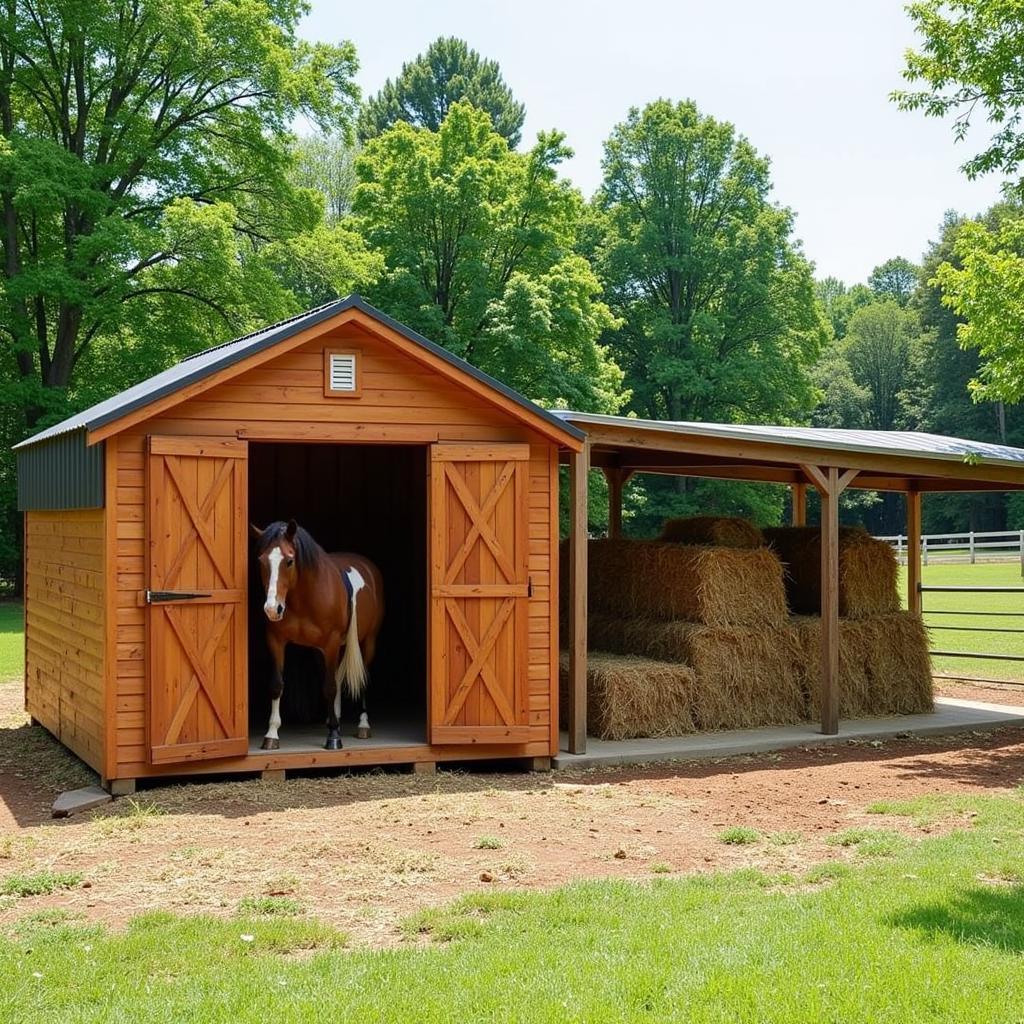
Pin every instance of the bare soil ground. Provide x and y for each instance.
(363, 851)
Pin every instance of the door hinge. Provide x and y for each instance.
(160, 596)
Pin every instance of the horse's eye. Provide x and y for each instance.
(289, 562)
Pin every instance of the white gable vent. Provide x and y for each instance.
(341, 371)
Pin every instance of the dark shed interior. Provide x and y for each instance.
(369, 499)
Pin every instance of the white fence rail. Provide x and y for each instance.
(971, 547)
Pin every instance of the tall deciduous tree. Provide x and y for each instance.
(478, 243)
(895, 279)
(134, 135)
(427, 87)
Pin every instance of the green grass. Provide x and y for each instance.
(269, 906)
(933, 933)
(739, 835)
(41, 883)
(990, 574)
(12, 641)
(488, 843)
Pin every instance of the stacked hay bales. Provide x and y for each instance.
(884, 666)
(717, 531)
(719, 610)
(867, 571)
(629, 697)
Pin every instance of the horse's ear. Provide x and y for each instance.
(255, 531)
(289, 533)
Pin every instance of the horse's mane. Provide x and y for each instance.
(307, 551)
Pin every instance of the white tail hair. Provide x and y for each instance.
(352, 669)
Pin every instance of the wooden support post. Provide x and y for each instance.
(616, 480)
(798, 496)
(540, 764)
(830, 484)
(119, 787)
(424, 767)
(579, 466)
(914, 552)
(273, 775)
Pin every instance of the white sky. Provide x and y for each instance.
(807, 81)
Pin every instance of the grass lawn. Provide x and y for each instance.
(909, 930)
(991, 574)
(12, 648)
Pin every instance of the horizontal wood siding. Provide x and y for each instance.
(64, 627)
(400, 401)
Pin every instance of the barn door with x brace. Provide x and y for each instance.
(479, 591)
(196, 552)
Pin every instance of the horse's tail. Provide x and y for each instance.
(352, 669)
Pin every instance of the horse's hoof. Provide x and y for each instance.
(363, 732)
(270, 744)
(333, 743)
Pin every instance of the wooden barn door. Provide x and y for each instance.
(478, 593)
(197, 598)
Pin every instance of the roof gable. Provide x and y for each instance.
(218, 364)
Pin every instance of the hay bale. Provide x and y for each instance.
(630, 697)
(884, 665)
(712, 586)
(746, 676)
(717, 531)
(867, 570)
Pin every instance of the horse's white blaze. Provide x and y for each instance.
(275, 718)
(274, 557)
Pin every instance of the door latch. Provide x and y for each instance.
(161, 596)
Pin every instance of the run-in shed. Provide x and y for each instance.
(144, 649)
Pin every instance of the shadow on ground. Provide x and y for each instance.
(989, 916)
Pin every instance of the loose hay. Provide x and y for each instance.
(745, 676)
(867, 570)
(712, 586)
(630, 697)
(884, 666)
(718, 531)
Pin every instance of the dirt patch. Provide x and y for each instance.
(987, 693)
(363, 851)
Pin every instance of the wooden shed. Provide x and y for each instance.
(144, 637)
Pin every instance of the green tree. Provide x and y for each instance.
(427, 88)
(719, 314)
(327, 164)
(134, 134)
(843, 402)
(880, 348)
(895, 279)
(478, 246)
(720, 319)
(971, 60)
(840, 302)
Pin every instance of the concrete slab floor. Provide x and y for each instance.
(950, 716)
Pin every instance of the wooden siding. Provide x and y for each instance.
(64, 627)
(401, 401)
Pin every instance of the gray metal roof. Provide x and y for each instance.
(209, 361)
(870, 442)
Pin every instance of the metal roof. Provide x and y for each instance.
(869, 442)
(203, 364)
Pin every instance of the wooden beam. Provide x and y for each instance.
(579, 466)
(914, 552)
(616, 479)
(829, 483)
(798, 496)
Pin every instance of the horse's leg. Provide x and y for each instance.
(369, 648)
(333, 696)
(277, 646)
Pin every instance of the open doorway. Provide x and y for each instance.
(368, 499)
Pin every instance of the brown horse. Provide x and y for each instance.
(334, 602)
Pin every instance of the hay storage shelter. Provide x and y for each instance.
(826, 459)
(144, 638)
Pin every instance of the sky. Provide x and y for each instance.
(806, 81)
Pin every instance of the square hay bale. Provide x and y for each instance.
(867, 570)
(884, 665)
(630, 697)
(717, 531)
(713, 586)
(746, 676)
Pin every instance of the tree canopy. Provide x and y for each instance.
(428, 86)
(478, 246)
